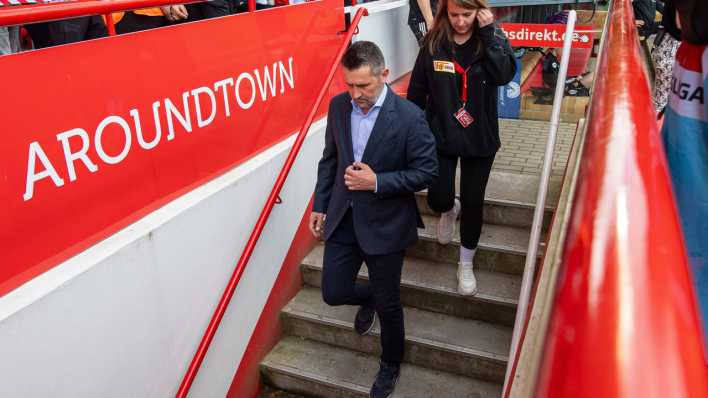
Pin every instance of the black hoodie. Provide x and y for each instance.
(437, 92)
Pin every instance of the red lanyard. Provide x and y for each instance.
(463, 72)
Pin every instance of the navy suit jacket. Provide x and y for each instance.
(401, 151)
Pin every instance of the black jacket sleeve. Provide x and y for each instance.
(327, 168)
(422, 162)
(499, 62)
(418, 87)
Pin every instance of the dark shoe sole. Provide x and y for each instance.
(395, 384)
(368, 331)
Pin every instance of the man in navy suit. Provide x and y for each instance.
(378, 151)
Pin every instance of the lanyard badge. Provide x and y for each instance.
(463, 117)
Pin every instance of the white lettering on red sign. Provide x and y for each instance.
(545, 35)
(76, 142)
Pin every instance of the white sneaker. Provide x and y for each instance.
(446, 224)
(466, 282)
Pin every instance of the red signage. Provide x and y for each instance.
(546, 35)
(116, 127)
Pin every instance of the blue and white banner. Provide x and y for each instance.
(685, 137)
(510, 96)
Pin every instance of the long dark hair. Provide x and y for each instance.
(442, 32)
(693, 15)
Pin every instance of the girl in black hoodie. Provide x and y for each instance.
(464, 58)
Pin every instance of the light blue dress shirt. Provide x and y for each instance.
(362, 124)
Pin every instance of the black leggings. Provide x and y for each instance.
(474, 174)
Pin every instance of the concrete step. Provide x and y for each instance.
(269, 392)
(510, 199)
(501, 248)
(438, 341)
(315, 369)
(432, 286)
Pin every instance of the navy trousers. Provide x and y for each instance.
(342, 260)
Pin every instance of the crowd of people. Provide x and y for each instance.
(47, 34)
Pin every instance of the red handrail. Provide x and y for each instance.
(263, 218)
(625, 320)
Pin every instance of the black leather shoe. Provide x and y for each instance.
(365, 320)
(386, 380)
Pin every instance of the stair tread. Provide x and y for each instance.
(513, 189)
(442, 278)
(501, 238)
(471, 337)
(354, 371)
(521, 189)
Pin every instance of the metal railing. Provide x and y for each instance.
(535, 237)
(273, 198)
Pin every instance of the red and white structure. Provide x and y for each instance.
(134, 168)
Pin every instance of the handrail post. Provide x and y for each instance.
(531, 256)
(228, 293)
(110, 25)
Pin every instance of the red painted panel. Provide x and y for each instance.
(625, 320)
(83, 85)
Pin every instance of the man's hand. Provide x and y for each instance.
(484, 17)
(360, 177)
(317, 224)
(175, 13)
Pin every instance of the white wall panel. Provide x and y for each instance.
(123, 318)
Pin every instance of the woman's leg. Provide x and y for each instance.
(441, 198)
(474, 175)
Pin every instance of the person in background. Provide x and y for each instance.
(54, 33)
(663, 56)
(685, 138)
(644, 15)
(378, 152)
(145, 18)
(174, 13)
(207, 9)
(464, 59)
(421, 16)
(9, 40)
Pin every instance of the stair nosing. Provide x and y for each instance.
(502, 202)
(304, 375)
(276, 366)
(488, 298)
(457, 349)
(429, 237)
(482, 245)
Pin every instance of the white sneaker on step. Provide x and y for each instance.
(446, 224)
(466, 282)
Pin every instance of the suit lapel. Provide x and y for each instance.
(346, 121)
(383, 122)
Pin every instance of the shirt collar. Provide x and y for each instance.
(378, 104)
